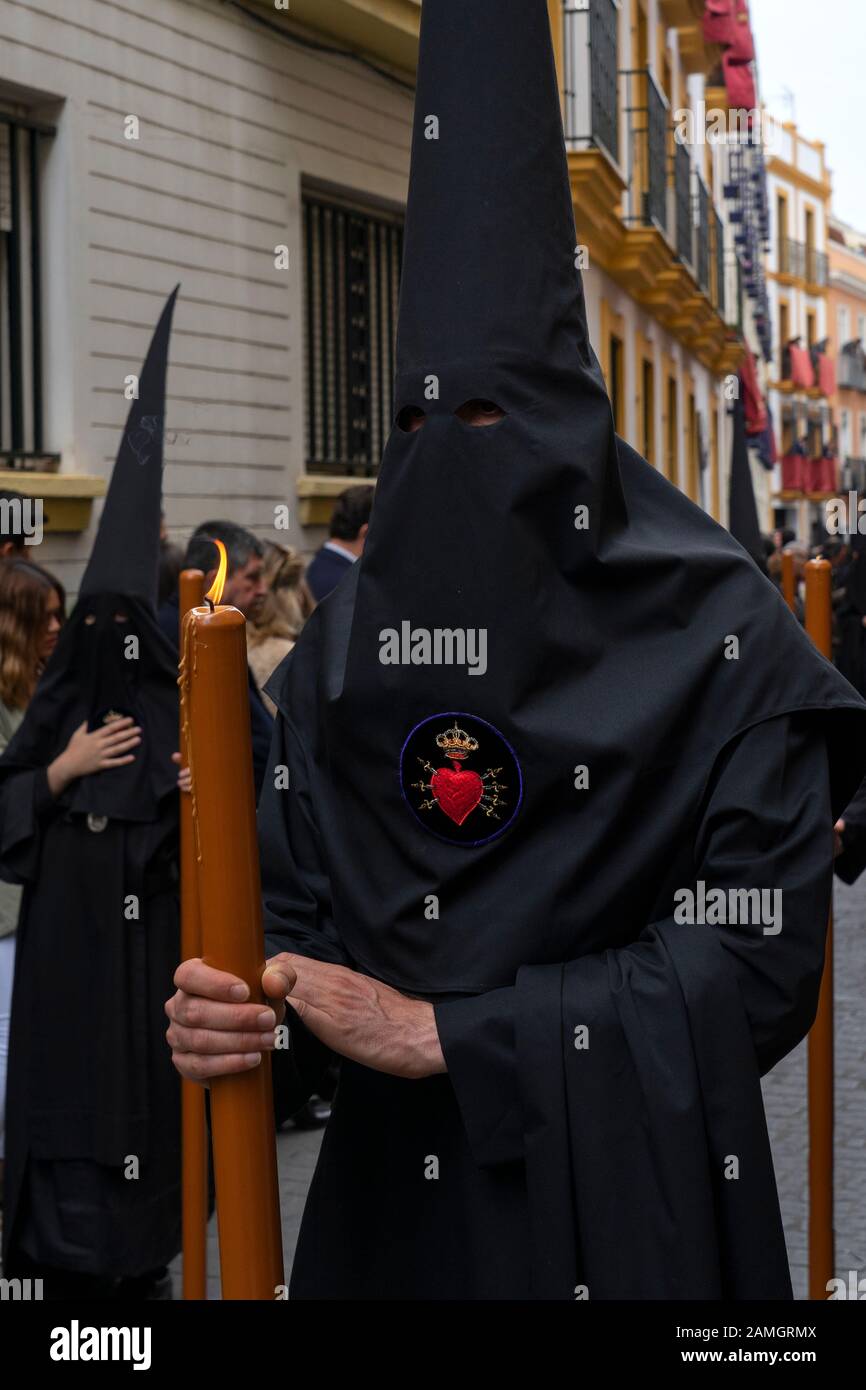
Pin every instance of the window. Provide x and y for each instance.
(782, 232)
(810, 230)
(862, 449)
(21, 328)
(861, 328)
(844, 326)
(352, 259)
(810, 327)
(648, 409)
(784, 333)
(615, 382)
(810, 270)
(845, 435)
(692, 450)
(671, 431)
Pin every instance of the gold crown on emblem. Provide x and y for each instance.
(456, 743)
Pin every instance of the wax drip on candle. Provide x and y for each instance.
(183, 681)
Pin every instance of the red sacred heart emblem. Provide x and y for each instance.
(458, 791)
(455, 790)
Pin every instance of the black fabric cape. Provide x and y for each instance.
(602, 1170)
(630, 641)
(91, 1081)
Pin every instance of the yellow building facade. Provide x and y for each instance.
(846, 250)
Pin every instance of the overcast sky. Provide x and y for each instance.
(812, 65)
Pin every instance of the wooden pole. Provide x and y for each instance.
(193, 1120)
(822, 1255)
(789, 587)
(215, 700)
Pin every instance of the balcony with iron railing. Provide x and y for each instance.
(702, 234)
(850, 372)
(852, 474)
(591, 108)
(682, 191)
(720, 277)
(642, 209)
(790, 258)
(799, 261)
(817, 268)
(648, 115)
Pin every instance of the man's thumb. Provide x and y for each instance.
(278, 980)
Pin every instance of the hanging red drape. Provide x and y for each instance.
(802, 372)
(826, 374)
(820, 474)
(794, 470)
(719, 22)
(739, 82)
(753, 401)
(742, 44)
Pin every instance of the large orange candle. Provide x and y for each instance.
(822, 1253)
(215, 697)
(193, 1126)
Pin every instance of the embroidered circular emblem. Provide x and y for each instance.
(460, 778)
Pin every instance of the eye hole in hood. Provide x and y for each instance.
(480, 413)
(410, 419)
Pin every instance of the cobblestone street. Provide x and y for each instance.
(786, 1104)
(785, 1099)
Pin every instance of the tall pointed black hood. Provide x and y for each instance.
(491, 297)
(125, 555)
(545, 647)
(490, 244)
(112, 657)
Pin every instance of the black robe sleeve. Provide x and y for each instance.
(261, 728)
(647, 1157)
(26, 803)
(296, 900)
(852, 861)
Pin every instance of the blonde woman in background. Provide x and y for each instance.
(286, 607)
(32, 609)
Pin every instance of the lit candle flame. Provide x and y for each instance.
(215, 592)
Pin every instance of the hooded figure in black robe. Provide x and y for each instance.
(93, 1102)
(742, 509)
(551, 701)
(851, 657)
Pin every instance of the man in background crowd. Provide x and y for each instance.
(348, 532)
